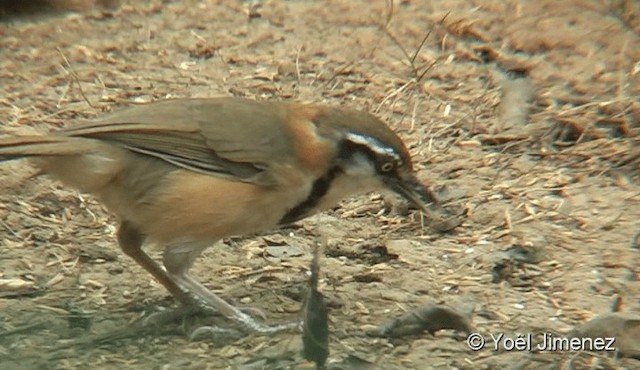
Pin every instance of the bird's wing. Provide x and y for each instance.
(222, 136)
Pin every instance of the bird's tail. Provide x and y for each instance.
(16, 147)
(84, 163)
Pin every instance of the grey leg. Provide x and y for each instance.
(178, 259)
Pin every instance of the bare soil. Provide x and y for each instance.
(524, 113)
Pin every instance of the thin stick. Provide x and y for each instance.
(298, 63)
(75, 77)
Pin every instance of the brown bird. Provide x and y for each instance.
(183, 174)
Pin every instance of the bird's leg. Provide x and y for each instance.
(178, 259)
(175, 278)
(130, 241)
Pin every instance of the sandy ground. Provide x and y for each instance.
(524, 113)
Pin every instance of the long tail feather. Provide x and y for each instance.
(16, 147)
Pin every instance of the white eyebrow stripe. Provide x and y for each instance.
(373, 144)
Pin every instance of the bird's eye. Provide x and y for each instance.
(387, 166)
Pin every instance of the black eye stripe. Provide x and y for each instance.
(384, 160)
(374, 145)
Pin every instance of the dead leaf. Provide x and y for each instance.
(430, 318)
(624, 328)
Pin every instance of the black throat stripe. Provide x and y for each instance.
(318, 190)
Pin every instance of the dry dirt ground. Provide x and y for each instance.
(523, 113)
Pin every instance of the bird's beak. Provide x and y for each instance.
(413, 191)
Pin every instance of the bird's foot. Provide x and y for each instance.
(199, 321)
(219, 333)
(245, 324)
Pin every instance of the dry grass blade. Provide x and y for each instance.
(157, 325)
(73, 74)
(25, 329)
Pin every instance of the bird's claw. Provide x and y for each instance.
(215, 332)
(249, 325)
(227, 334)
(245, 324)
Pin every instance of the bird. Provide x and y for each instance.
(182, 174)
